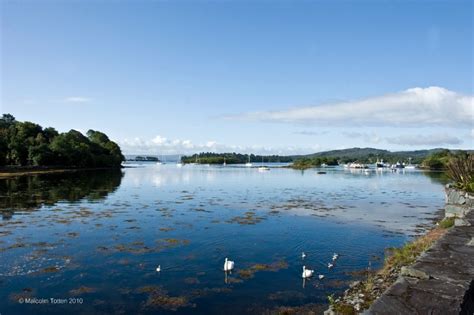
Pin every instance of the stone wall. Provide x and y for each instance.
(441, 281)
(458, 204)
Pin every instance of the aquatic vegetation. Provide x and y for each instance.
(159, 298)
(285, 296)
(273, 267)
(166, 229)
(25, 293)
(307, 309)
(126, 257)
(82, 290)
(50, 269)
(248, 218)
(191, 280)
(174, 241)
(246, 273)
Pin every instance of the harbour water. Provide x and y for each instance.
(94, 239)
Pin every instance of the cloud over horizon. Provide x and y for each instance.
(415, 107)
(162, 145)
(77, 99)
(425, 140)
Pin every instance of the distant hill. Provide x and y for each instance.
(363, 155)
(172, 158)
(372, 154)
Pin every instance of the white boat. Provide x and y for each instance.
(248, 164)
(179, 163)
(398, 165)
(410, 166)
(263, 168)
(381, 164)
(357, 165)
(224, 164)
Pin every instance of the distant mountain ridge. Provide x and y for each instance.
(344, 155)
(364, 152)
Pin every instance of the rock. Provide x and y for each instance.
(471, 242)
(461, 222)
(453, 210)
(329, 311)
(414, 273)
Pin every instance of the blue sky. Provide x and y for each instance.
(252, 76)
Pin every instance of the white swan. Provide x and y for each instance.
(330, 265)
(321, 277)
(158, 269)
(307, 273)
(335, 256)
(303, 255)
(228, 265)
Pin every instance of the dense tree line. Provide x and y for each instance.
(233, 158)
(305, 163)
(29, 144)
(440, 160)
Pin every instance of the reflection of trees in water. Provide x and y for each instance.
(437, 177)
(30, 192)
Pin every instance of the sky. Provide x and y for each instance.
(280, 77)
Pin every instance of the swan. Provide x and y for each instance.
(321, 277)
(228, 265)
(335, 256)
(307, 273)
(330, 265)
(158, 269)
(303, 255)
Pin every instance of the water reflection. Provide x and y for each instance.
(31, 192)
(85, 240)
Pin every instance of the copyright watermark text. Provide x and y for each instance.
(60, 301)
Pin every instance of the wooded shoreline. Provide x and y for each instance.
(15, 171)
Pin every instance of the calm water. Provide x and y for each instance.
(99, 236)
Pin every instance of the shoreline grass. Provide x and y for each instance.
(367, 291)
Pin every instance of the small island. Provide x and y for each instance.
(26, 147)
(234, 158)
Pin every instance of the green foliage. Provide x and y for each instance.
(460, 169)
(232, 158)
(447, 223)
(305, 163)
(28, 144)
(437, 160)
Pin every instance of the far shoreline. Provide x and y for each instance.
(17, 171)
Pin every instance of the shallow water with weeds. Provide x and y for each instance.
(96, 238)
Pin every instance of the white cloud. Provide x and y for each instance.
(416, 107)
(425, 140)
(163, 145)
(311, 133)
(77, 99)
(367, 137)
